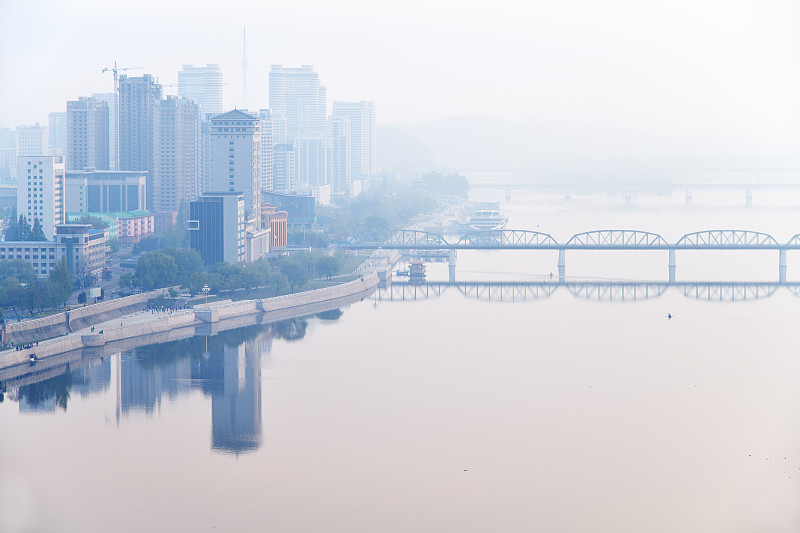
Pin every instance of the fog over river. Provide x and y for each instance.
(567, 412)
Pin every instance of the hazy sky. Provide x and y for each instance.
(718, 69)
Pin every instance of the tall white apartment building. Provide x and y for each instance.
(8, 153)
(111, 101)
(298, 95)
(40, 191)
(204, 86)
(57, 133)
(340, 156)
(267, 182)
(235, 139)
(177, 162)
(87, 134)
(31, 140)
(362, 135)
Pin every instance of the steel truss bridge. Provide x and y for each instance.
(423, 243)
(603, 291)
(590, 240)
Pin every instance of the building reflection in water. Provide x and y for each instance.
(226, 367)
(231, 374)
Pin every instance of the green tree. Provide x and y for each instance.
(17, 268)
(24, 231)
(328, 266)
(295, 273)
(187, 261)
(155, 270)
(37, 233)
(10, 232)
(82, 298)
(11, 291)
(96, 222)
(60, 282)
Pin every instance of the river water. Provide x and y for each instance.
(570, 410)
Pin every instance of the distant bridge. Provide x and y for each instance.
(604, 291)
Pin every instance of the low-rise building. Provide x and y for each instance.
(276, 221)
(83, 248)
(134, 226)
(217, 227)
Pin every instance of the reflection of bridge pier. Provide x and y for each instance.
(782, 265)
(672, 266)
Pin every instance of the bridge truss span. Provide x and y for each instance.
(617, 239)
(728, 291)
(511, 238)
(421, 239)
(727, 239)
(617, 291)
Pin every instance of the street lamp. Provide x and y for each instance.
(206, 289)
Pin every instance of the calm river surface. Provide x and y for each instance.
(566, 413)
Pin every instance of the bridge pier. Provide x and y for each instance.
(672, 266)
(562, 264)
(451, 265)
(782, 265)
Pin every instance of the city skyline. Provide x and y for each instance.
(720, 73)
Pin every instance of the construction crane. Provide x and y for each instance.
(116, 70)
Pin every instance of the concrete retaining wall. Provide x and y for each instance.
(32, 330)
(142, 329)
(90, 315)
(43, 350)
(29, 331)
(365, 284)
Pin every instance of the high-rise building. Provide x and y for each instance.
(40, 191)
(139, 99)
(176, 156)
(217, 227)
(283, 172)
(311, 160)
(362, 135)
(235, 139)
(57, 133)
(31, 140)
(87, 134)
(204, 86)
(298, 95)
(8, 154)
(266, 150)
(339, 155)
(111, 101)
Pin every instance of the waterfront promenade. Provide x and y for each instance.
(145, 326)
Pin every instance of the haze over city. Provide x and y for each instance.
(575, 79)
(434, 267)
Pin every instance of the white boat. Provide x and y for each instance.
(485, 220)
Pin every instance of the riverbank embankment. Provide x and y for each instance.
(146, 327)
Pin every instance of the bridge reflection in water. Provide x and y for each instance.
(604, 291)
